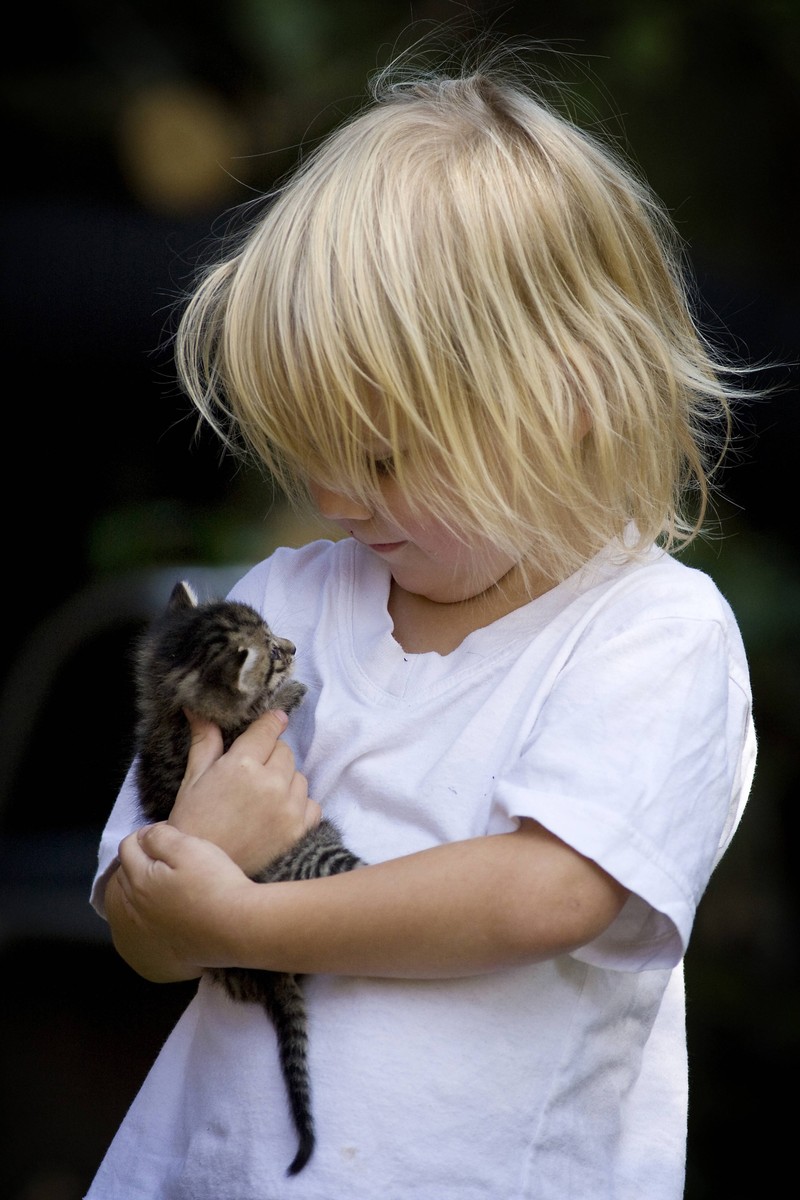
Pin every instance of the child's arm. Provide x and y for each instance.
(457, 909)
(252, 803)
(149, 955)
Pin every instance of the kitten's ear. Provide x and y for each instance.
(182, 596)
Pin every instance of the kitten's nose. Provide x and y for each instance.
(283, 649)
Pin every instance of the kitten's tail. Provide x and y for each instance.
(287, 1012)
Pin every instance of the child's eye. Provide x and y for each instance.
(384, 466)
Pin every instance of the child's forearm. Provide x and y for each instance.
(457, 909)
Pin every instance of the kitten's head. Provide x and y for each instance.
(219, 658)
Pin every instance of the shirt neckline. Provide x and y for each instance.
(382, 662)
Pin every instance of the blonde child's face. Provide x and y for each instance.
(425, 557)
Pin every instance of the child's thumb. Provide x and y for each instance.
(206, 744)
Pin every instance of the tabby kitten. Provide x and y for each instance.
(221, 660)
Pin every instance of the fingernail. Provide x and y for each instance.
(282, 717)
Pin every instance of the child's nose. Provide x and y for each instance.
(336, 506)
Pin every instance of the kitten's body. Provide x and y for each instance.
(221, 660)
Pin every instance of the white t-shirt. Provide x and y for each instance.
(615, 710)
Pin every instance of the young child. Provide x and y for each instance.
(461, 327)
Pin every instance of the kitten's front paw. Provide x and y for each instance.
(289, 695)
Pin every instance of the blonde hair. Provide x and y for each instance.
(461, 280)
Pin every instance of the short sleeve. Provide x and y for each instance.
(124, 818)
(641, 759)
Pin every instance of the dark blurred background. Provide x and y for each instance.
(130, 132)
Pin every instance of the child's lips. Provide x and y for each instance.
(385, 547)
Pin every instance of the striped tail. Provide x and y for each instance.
(286, 1009)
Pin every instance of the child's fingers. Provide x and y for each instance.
(249, 801)
(260, 737)
(134, 865)
(132, 856)
(206, 744)
(184, 856)
(151, 843)
(258, 740)
(161, 842)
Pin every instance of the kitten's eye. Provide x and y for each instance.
(275, 654)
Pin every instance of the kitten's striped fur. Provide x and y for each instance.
(221, 660)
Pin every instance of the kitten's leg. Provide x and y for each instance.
(288, 695)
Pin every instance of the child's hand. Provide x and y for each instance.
(251, 801)
(184, 892)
